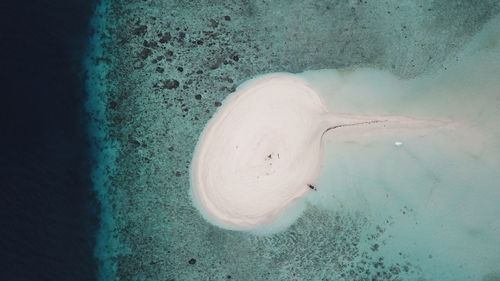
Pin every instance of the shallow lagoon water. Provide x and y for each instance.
(422, 210)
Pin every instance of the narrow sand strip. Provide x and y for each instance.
(262, 150)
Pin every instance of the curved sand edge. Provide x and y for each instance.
(213, 177)
(260, 152)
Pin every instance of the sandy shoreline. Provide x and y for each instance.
(263, 149)
(244, 174)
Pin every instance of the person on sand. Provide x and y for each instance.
(312, 187)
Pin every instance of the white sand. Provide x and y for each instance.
(262, 149)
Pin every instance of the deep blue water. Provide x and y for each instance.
(47, 213)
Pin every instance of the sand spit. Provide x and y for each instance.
(262, 151)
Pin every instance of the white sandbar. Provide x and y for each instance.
(262, 149)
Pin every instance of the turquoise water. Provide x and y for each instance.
(158, 70)
(98, 64)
